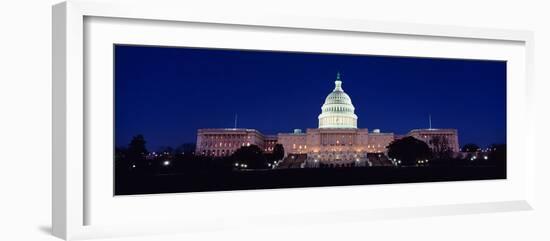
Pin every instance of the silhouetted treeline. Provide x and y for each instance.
(135, 159)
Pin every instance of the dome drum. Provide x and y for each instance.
(338, 110)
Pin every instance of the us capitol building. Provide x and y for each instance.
(337, 141)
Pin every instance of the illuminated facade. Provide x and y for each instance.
(447, 137)
(224, 142)
(269, 143)
(293, 143)
(336, 142)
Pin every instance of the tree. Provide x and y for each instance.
(136, 150)
(470, 147)
(278, 152)
(165, 149)
(409, 150)
(440, 147)
(251, 156)
(120, 153)
(186, 149)
(121, 161)
(137, 145)
(497, 153)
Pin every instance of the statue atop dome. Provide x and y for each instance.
(338, 83)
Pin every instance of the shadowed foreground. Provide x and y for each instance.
(220, 180)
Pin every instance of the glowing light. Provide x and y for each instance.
(485, 157)
(236, 164)
(166, 163)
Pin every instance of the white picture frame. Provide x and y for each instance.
(71, 188)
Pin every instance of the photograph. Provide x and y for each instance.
(275, 120)
(193, 119)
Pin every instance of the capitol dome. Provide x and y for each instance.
(338, 111)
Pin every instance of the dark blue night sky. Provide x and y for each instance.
(166, 94)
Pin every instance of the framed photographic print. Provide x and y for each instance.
(177, 119)
(202, 122)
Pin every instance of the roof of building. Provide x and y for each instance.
(227, 130)
(433, 130)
